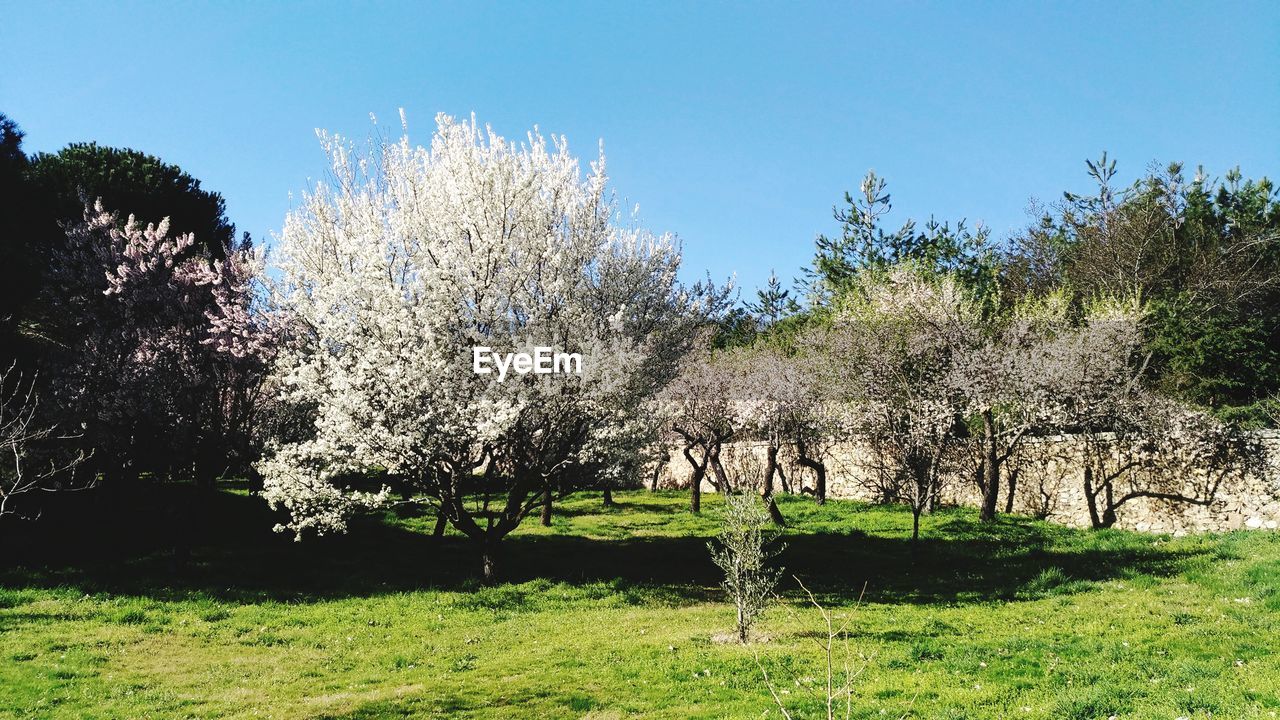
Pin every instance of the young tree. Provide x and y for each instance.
(742, 551)
(411, 258)
(840, 673)
(772, 304)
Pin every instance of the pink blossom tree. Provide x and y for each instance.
(166, 351)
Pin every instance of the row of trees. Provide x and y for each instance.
(929, 391)
(942, 356)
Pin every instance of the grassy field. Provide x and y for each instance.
(614, 613)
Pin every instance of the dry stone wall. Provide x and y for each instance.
(1052, 489)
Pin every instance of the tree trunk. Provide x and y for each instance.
(1109, 512)
(657, 472)
(990, 468)
(820, 474)
(441, 522)
(546, 507)
(766, 491)
(820, 489)
(695, 480)
(915, 522)
(926, 485)
(1013, 487)
(1091, 498)
(717, 469)
(489, 560)
(608, 497)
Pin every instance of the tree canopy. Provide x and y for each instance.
(130, 182)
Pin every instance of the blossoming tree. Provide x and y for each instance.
(890, 358)
(696, 407)
(164, 352)
(1130, 442)
(411, 257)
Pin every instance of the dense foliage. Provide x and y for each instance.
(414, 256)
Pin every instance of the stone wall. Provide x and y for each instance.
(1051, 489)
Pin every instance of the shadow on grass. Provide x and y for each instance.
(627, 503)
(116, 545)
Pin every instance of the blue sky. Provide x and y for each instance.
(735, 126)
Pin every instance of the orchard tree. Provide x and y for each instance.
(767, 401)
(817, 422)
(891, 357)
(697, 408)
(780, 404)
(1131, 443)
(393, 273)
(998, 372)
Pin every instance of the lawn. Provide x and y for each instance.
(614, 613)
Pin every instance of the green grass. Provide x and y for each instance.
(612, 613)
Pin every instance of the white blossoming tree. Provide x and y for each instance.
(409, 258)
(999, 372)
(1130, 442)
(781, 404)
(891, 352)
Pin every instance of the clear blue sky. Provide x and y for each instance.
(735, 126)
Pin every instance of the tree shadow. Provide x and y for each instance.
(1022, 565)
(639, 503)
(220, 545)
